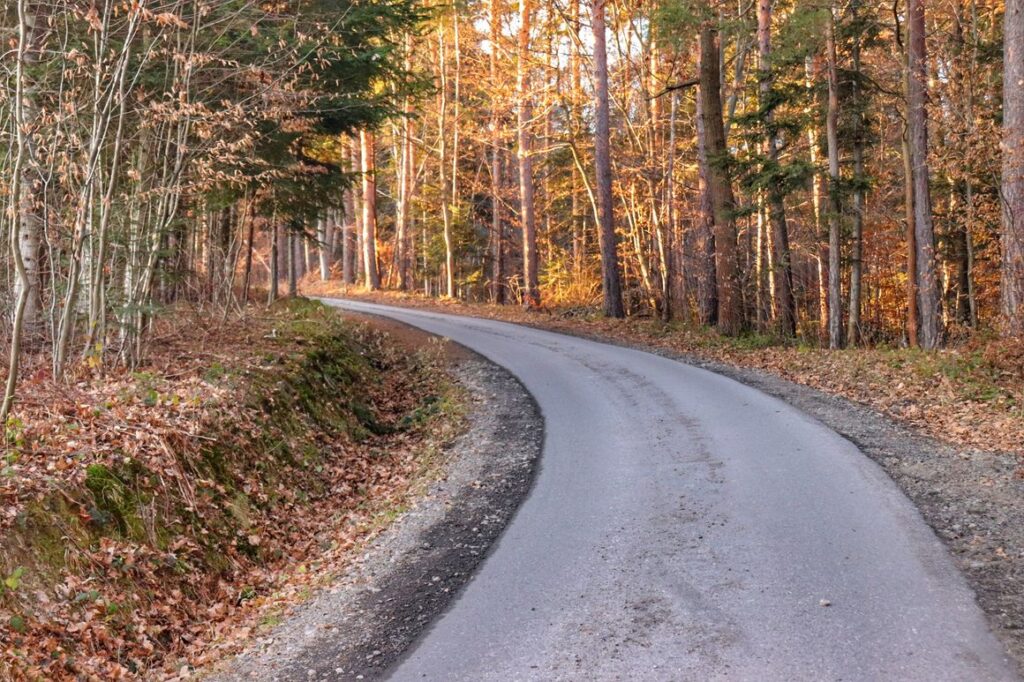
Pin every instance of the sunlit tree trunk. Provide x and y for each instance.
(781, 274)
(611, 282)
(442, 147)
(527, 217)
(835, 300)
(367, 154)
(497, 231)
(1013, 169)
(857, 231)
(730, 305)
(927, 279)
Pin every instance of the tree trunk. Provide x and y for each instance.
(323, 248)
(610, 279)
(367, 153)
(857, 236)
(348, 237)
(275, 272)
(781, 270)
(497, 233)
(1013, 169)
(442, 111)
(293, 266)
(730, 305)
(531, 285)
(707, 287)
(927, 280)
(835, 294)
(811, 71)
(405, 170)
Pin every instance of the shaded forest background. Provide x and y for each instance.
(843, 173)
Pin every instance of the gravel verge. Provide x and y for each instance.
(359, 627)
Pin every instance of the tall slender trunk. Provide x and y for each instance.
(927, 279)
(782, 272)
(497, 233)
(456, 97)
(811, 70)
(1013, 169)
(348, 232)
(275, 271)
(707, 288)
(405, 170)
(835, 294)
(857, 232)
(610, 279)
(527, 218)
(367, 151)
(293, 266)
(578, 211)
(730, 304)
(323, 248)
(442, 113)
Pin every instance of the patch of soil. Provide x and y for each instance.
(362, 625)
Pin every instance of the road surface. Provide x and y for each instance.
(683, 526)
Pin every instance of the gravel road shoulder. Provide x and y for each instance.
(359, 627)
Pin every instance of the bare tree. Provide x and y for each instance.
(927, 279)
(527, 217)
(730, 305)
(784, 305)
(835, 294)
(367, 149)
(1013, 169)
(611, 283)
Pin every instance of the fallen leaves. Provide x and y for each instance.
(149, 518)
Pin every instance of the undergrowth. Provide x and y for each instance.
(145, 512)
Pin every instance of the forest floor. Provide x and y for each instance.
(154, 521)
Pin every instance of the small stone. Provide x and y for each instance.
(825, 602)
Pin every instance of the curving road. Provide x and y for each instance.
(683, 526)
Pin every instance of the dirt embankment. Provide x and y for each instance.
(152, 521)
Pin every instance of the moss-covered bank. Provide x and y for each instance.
(129, 555)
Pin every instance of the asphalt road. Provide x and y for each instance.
(683, 526)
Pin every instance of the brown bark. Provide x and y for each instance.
(730, 305)
(835, 296)
(497, 233)
(527, 217)
(610, 279)
(927, 280)
(784, 307)
(1013, 169)
(857, 232)
(367, 154)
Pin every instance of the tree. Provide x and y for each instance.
(610, 282)
(527, 216)
(784, 306)
(927, 280)
(730, 312)
(835, 294)
(367, 150)
(1013, 169)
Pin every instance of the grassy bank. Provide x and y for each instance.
(153, 519)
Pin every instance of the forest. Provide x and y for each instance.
(840, 172)
(821, 201)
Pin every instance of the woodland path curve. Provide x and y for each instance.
(685, 526)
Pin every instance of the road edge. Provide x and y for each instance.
(361, 626)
